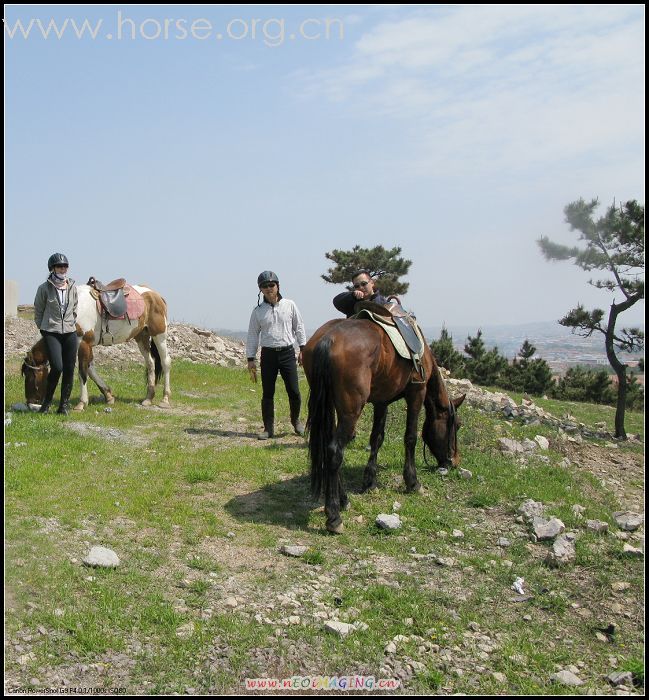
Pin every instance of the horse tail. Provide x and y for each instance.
(157, 360)
(321, 420)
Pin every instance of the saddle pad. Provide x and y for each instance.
(393, 333)
(134, 305)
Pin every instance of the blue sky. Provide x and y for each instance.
(456, 132)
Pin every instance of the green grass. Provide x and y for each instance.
(197, 509)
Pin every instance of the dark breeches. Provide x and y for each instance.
(282, 362)
(62, 354)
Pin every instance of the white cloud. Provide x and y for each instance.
(499, 87)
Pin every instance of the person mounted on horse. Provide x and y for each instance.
(364, 290)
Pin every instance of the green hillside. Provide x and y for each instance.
(196, 509)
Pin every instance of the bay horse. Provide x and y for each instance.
(149, 332)
(349, 363)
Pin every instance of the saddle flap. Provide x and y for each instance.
(114, 302)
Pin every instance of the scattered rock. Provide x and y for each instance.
(509, 446)
(628, 521)
(563, 551)
(102, 557)
(620, 678)
(547, 529)
(185, 631)
(542, 442)
(598, 526)
(632, 551)
(619, 586)
(342, 629)
(293, 550)
(566, 678)
(388, 522)
(531, 509)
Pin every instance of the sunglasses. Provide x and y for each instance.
(358, 285)
(268, 285)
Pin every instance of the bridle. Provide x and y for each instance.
(451, 436)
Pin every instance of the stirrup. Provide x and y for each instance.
(419, 368)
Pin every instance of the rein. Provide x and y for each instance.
(37, 367)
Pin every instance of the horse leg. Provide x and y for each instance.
(101, 385)
(410, 441)
(335, 495)
(84, 356)
(160, 341)
(376, 440)
(144, 344)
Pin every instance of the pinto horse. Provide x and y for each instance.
(149, 332)
(351, 362)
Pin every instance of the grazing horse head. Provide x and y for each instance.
(35, 369)
(442, 424)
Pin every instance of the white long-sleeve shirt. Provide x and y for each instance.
(275, 327)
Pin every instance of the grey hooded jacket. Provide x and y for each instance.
(49, 315)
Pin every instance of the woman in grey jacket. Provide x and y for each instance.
(55, 314)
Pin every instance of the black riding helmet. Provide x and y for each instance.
(56, 259)
(267, 276)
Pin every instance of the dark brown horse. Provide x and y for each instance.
(352, 362)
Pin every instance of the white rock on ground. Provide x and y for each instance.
(102, 557)
(566, 678)
(388, 522)
(628, 521)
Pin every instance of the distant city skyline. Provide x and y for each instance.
(191, 154)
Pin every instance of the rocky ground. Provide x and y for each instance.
(309, 601)
(184, 341)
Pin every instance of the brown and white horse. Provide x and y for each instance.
(149, 332)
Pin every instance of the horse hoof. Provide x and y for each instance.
(164, 404)
(146, 402)
(110, 400)
(371, 487)
(337, 530)
(417, 488)
(80, 406)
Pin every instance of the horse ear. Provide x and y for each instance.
(459, 401)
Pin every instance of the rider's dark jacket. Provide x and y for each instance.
(346, 301)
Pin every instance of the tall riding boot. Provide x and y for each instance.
(64, 406)
(50, 388)
(268, 415)
(295, 404)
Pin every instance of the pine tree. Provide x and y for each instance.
(614, 244)
(384, 265)
(528, 375)
(483, 366)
